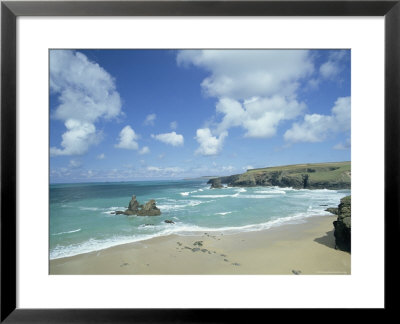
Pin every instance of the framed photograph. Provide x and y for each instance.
(162, 159)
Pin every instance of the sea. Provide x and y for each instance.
(81, 215)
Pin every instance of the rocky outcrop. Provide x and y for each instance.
(134, 208)
(216, 184)
(343, 225)
(149, 209)
(335, 175)
(332, 210)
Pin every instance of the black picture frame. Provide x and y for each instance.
(10, 10)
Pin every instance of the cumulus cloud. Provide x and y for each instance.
(209, 144)
(86, 93)
(240, 74)
(150, 119)
(128, 139)
(259, 117)
(77, 139)
(256, 90)
(316, 127)
(172, 138)
(144, 150)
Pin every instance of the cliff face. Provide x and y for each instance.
(299, 176)
(343, 225)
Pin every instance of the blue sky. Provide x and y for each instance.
(122, 115)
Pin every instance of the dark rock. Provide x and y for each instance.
(216, 184)
(129, 212)
(149, 209)
(133, 205)
(296, 272)
(168, 221)
(134, 208)
(332, 210)
(198, 243)
(343, 225)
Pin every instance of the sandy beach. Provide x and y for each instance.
(306, 248)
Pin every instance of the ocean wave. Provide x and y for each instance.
(91, 208)
(223, 213)
(73, 231)
(273, 192)
(240, 190)
(215, 196)
(185, 193)
(255, 196)
(111, 210)
(180, 204)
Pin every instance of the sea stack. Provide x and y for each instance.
(134, 208)
(149, 209)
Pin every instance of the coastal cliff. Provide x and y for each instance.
(335, 175)
(343, 225)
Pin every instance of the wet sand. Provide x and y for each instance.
(306, 248)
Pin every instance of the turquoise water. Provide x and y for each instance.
(81, 219)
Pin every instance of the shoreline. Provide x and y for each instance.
(302, 248)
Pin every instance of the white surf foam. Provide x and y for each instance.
(73, 231)
(223, 213)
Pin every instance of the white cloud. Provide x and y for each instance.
(150, 119)
(144, 150)
(241, 74)
(101, 156)
(259, 117)
(173, 125)
(77, 139)
(316, 127)
(75, 164)
(331, 68)
(127, 139)
(86, 93)
(209, 144)
(172, 138)
(256, 89)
